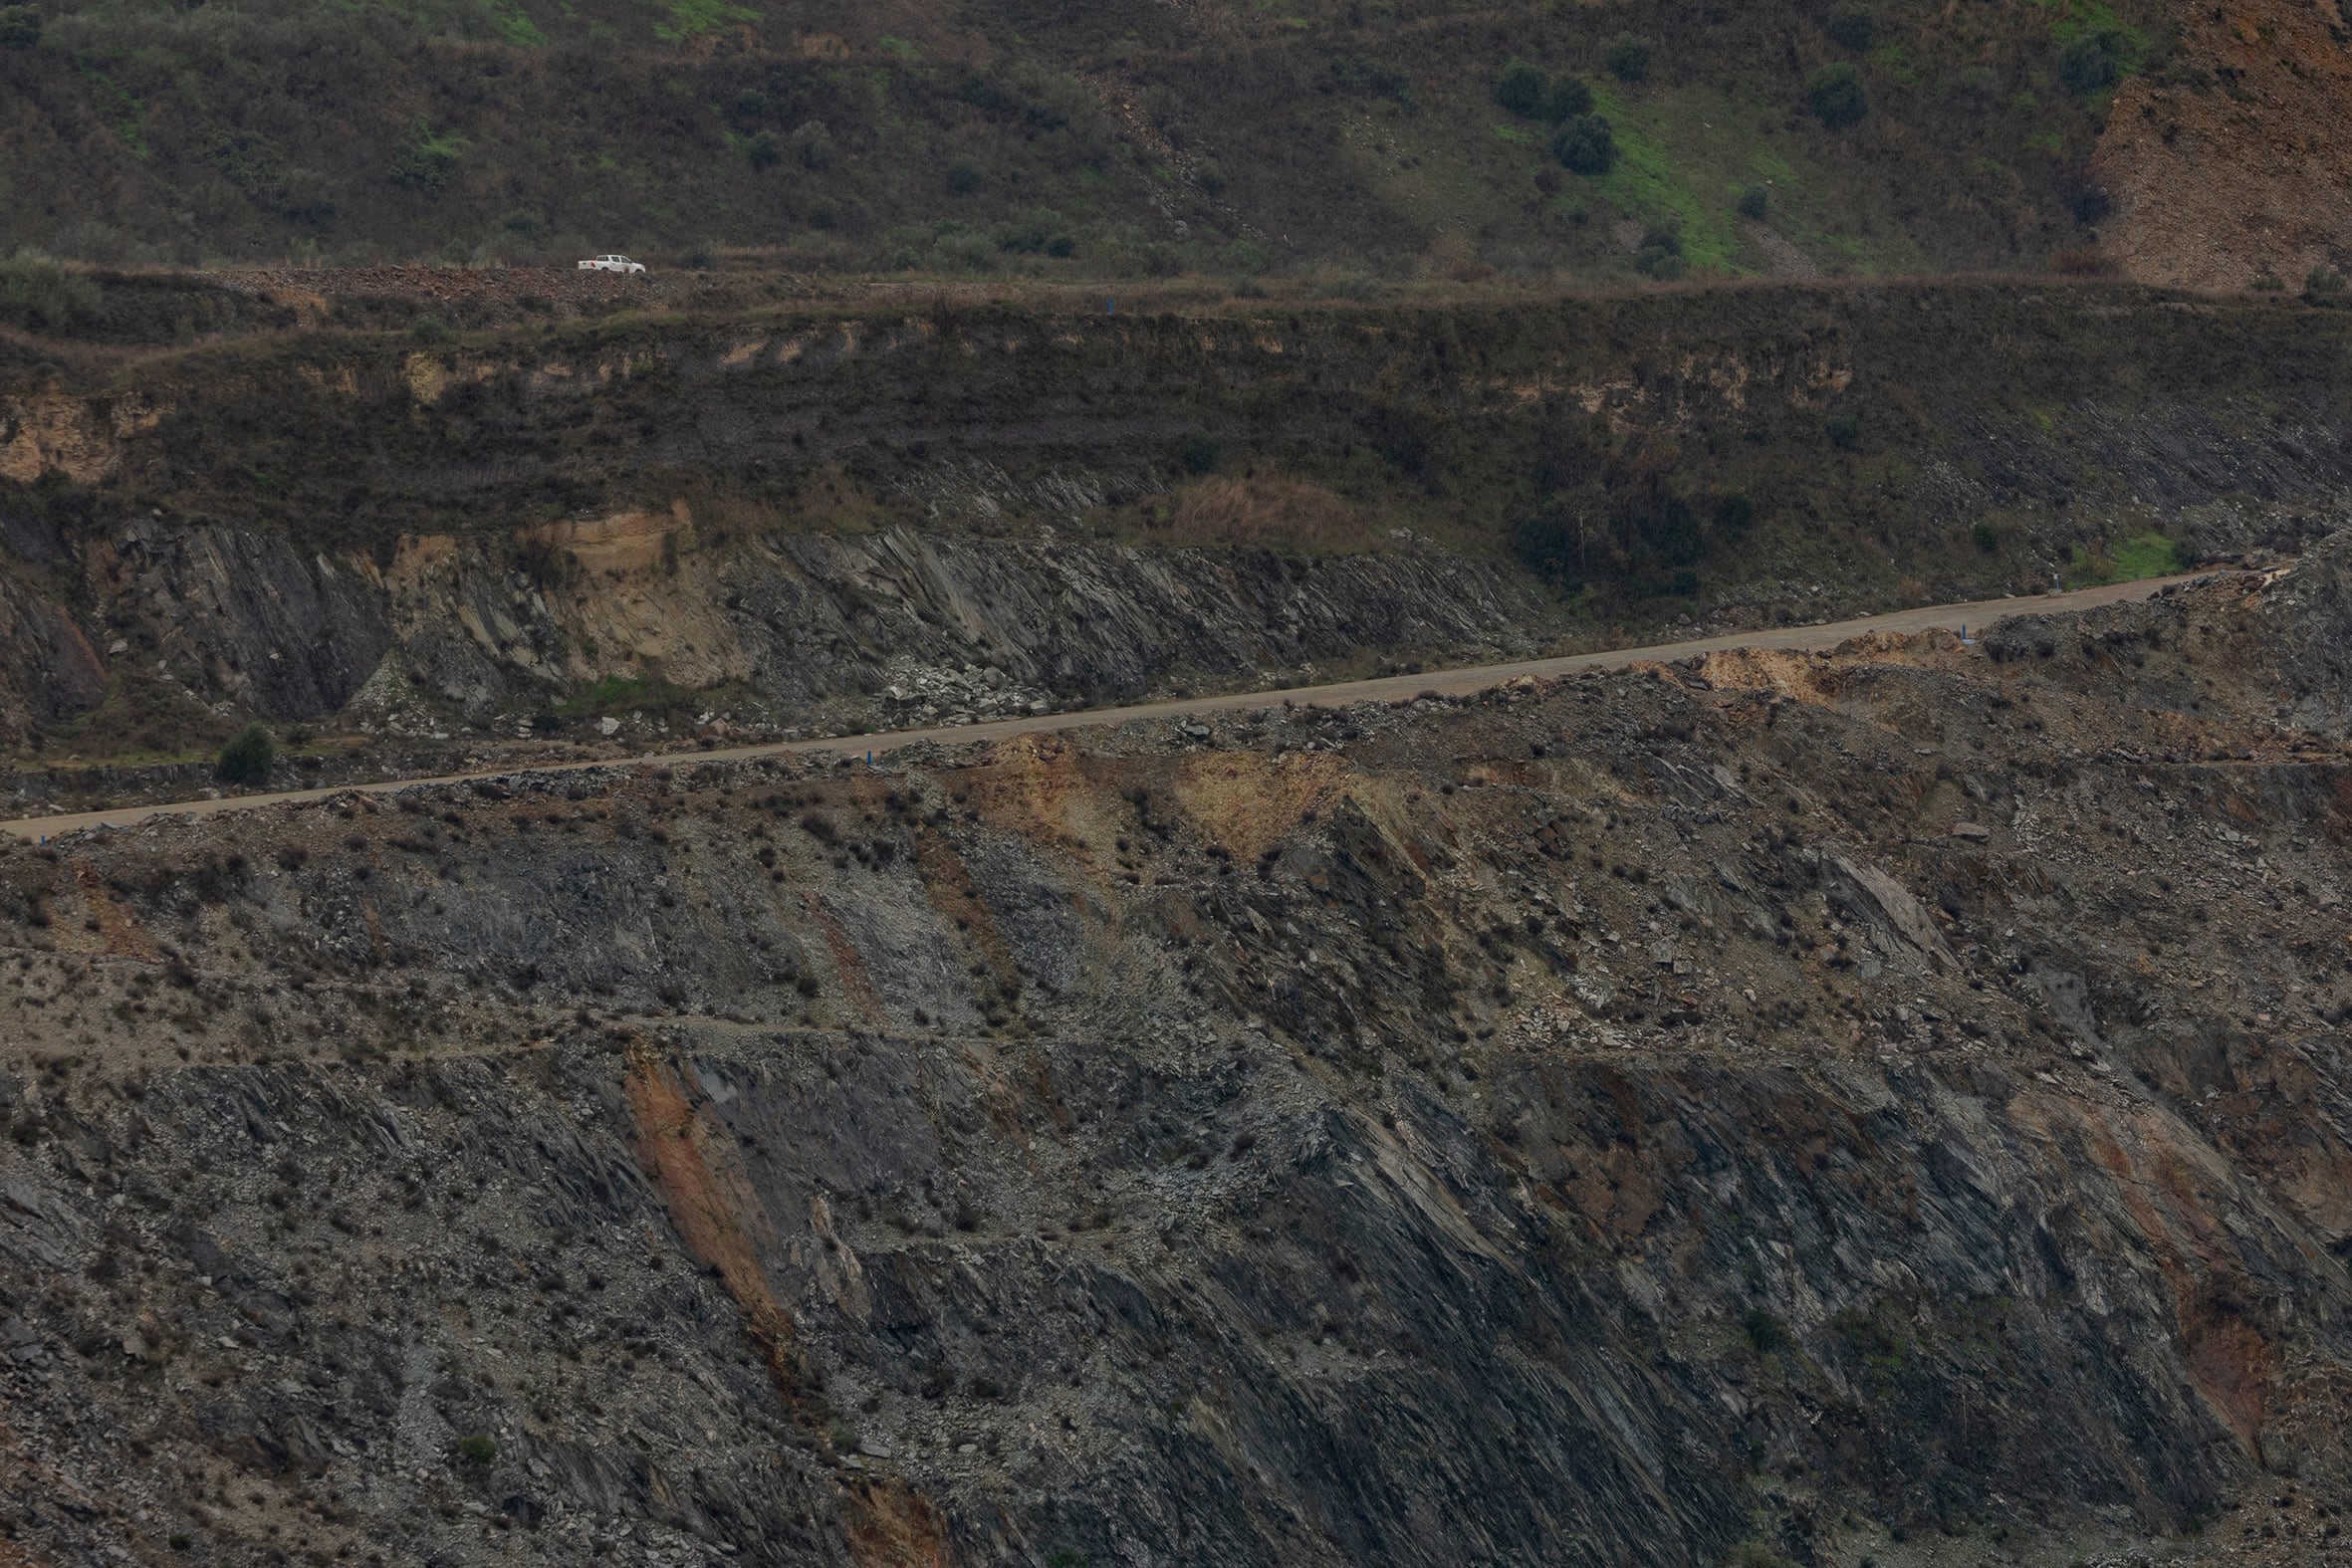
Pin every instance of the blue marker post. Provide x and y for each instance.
(1114, 307)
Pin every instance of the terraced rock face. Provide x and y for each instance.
(828, 518)
(1844, 1104)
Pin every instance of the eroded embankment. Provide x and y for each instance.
(814, 520)
(1816, 1099)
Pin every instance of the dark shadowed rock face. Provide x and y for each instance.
(52, 670)
(1599, 1123)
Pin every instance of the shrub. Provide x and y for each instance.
(1547, 545)
(428, 161)
(38, 294)
(812, 144)
(1844, 431)
(1585, 145)
(1660, 256)
(1521, 88)
(1836, 94)
(1755, 203)
(1986, 536)
(1565, 100)
(2324, 282)
(962, 179)
(1854, 28)
(1200, 454)
(1628, 58)
(764, 151)
(247, 759)
(20, 27)
(2091, 61)
(1243, 258)
(1733, 512)
(477, 1448)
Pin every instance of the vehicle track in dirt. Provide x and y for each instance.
(1391, 688)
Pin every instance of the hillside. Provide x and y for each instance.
(833, 514)
(1883, 1106)
(1122, 138)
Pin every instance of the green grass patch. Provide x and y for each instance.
(2134, 560)
(512, 26)
(2148, 556)
(613, 691)
(686, 18)
(1653, 179)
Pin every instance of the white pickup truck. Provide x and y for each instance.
(610, 264)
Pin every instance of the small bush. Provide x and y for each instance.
(1585, 146)
(38, 294)
(1733, 512)
(1199, 454)
(1836, 96)
(1844, 431)
(2324, 282)
(1755, 203)
(1628, 58)
(248, 758)
(1547, 547)
(962, 179)
(2092, 63)
(1565, 100)
(1985, 538)
(764, 151)
(429, 162)
(20, 27)
(1521, 88)
(476, 1450)
(1853, 28)
(1660, 256)
(812, 144)
(1243, 258)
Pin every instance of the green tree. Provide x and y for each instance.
(1837, 96)
(1566, 99)
(20, 27)
(1520, 89)
(2092, 63)
(764, 151)
(1660, 256)
(1755, 202)
(1585, 146)
(1628, 58)
(1853, 27)
(248, 758)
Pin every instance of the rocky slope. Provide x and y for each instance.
(2236, 169)
(773, 519)
(1881, 1105)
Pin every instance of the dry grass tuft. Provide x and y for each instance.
(1264, 508)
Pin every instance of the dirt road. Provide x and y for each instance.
(1392, 688)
